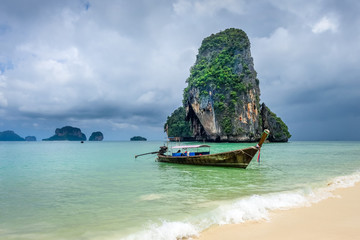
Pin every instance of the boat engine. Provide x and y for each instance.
(163, 150)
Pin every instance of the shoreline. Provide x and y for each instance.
(337, 217)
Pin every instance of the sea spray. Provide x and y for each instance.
(166, 231)
(344, 181)
(253, 208)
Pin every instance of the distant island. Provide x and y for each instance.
(138, 138)
(30, 139)
(10, 136)
(67, 133)
(96, 136)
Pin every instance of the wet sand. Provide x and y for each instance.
(334, 218)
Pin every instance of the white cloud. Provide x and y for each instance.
(3, 81)
(147, 97)
(212, 6)
(117, 125)
(3, 100)
(181, 7)
(207, 7)
(325, 24)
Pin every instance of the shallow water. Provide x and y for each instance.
(98, 190)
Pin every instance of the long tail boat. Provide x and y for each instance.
(238, 158)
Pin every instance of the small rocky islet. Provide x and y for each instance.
(138, 138)
(96, 136)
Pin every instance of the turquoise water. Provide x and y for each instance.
(98, 190)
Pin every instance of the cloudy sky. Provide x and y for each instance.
(120, 66)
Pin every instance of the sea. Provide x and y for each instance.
(100, 191)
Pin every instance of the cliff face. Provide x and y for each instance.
(67, 133)
(222, 97)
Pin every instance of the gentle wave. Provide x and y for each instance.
(167, 231)
(253, 208)
(150, 197)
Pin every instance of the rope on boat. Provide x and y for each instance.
(270, 166)
(246, 153)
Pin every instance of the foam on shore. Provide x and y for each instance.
(252, 208)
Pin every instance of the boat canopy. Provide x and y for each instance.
(190, 146)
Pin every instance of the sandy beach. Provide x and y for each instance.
(334, 218)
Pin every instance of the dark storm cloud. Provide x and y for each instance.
(121, 66)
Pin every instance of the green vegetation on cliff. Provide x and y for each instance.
(220, 68)
(279, 132)
(222, 97)
(176, 124)
(283, 127)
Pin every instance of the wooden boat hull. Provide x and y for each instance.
(237, 159)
